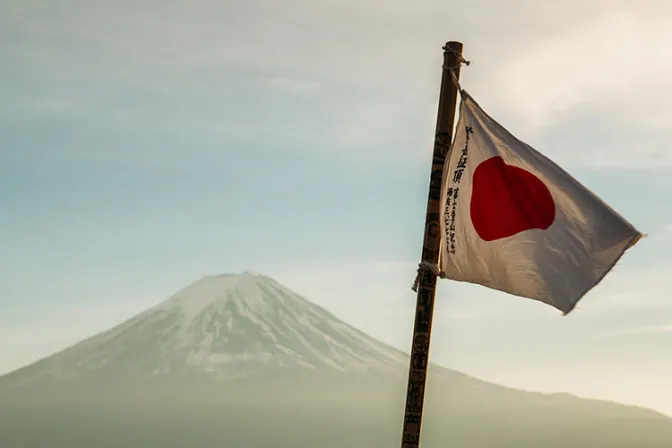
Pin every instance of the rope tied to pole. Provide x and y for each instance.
(459, 61)
(426, 267)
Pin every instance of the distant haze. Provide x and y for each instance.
(241, 360)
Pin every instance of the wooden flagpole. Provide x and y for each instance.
(417, 375)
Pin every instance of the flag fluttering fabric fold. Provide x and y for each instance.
(516, 222)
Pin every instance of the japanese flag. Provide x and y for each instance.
(516, 222)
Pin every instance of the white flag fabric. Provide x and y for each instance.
(516, 222)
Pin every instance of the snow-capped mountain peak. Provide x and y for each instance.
(253, 318)
(249, 290)
(225, 326)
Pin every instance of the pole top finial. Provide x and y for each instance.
(454, 48)
(454, 44)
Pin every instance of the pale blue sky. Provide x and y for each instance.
(146, 144)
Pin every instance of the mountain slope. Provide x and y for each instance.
(241, 361)
(224, 327)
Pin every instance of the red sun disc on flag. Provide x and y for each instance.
(507, 200)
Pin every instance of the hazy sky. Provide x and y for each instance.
(145, 144)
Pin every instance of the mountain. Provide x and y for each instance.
(223, 327)
(242, 361)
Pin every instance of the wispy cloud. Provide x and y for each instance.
(611, 61)
(652, 155)
(49, 105)
(647, 330)
(294, 85)
(464, 314)
(352, 280)
(181, 61)
(635, 296)
(630, 287)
